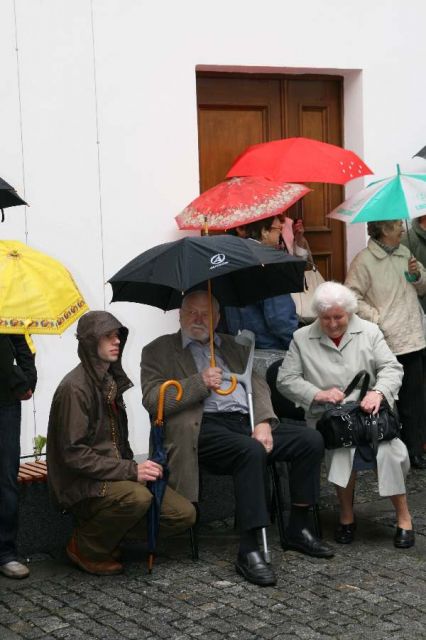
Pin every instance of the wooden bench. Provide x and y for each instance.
(32, 472)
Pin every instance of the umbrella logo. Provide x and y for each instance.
(218, 260)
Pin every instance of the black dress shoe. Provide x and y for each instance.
(253, 568)
(305, 542)
(404, 538)
(417, 462)
(344, 533)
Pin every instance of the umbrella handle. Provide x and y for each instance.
(231, 389)
(163, 389)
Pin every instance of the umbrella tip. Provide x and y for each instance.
(398, 169)
(150, 562)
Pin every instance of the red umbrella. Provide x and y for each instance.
(299, 160)
(239, 201)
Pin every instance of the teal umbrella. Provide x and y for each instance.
(399, 197)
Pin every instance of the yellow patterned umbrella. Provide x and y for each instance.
(37, 293)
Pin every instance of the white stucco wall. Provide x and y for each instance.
(144, 125)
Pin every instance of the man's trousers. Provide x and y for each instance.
(225, 446)
(10, 430)
(103, 522)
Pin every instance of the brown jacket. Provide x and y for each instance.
(87, 439)
(164, 359)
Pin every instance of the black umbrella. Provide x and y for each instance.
(159, 455)
(241, 272)
(238, 272)
(421, 153)
(8, 197)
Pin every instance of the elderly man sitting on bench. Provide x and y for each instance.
(214, 430)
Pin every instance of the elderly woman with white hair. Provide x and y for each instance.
(322, 360)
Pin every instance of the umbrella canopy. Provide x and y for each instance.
(241, 272)
(8, 197)
(37, 293)
(239, 201)
(421, 153)
(399, 197)
(158, 455)
(299, 160)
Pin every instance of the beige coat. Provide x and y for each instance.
(165, 359)
(385, 296)
(314, 363)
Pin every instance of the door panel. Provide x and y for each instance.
(313, 110)
(237, 111)
(233, 114)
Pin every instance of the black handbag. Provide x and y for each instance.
(347, 425)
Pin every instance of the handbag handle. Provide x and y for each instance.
(364, 387)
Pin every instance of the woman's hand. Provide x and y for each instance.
(371, 402)
(413, 267)
(333, 395)
(263, 433)
(299, 233)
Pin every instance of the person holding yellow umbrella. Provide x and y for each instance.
(37, 295)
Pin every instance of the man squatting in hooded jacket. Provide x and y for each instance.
(214, 430)
(91, 471)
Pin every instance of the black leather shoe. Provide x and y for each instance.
(344, 533)
(253, 568)
(305, 542)
(417, 462)
(404, 538)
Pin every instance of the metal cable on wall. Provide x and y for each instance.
(98, 152)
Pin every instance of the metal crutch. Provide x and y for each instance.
(246, 338)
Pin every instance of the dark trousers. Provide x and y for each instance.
(411, 402)
(10, 431)
(225, 446)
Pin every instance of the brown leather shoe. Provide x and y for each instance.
(99, 568)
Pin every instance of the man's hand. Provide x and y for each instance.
(25, 396)
(371, 402)
(149, 471)
(333, 395)
(263, 433)
(212, 377)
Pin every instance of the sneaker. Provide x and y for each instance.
(14, 569)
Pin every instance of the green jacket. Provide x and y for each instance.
(416, 243)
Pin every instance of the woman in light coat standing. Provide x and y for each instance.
(387, 282)
(322, 360)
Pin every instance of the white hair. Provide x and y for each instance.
(196, 295)
(334, 294)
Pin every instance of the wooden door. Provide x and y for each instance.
(237, 111)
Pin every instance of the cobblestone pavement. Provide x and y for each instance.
(369, 590)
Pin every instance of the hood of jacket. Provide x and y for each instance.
(90, 328)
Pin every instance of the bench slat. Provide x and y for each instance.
(32, 472)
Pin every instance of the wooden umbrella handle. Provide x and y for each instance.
(160, 409)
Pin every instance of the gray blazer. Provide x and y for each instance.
(164, 359)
